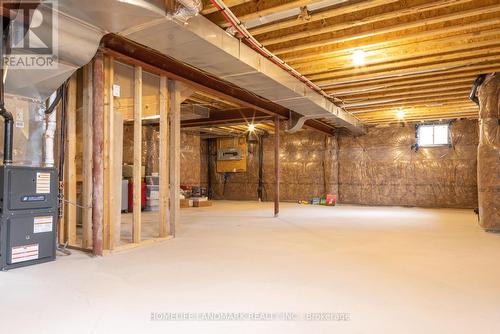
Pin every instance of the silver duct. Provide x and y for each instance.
(186, 10)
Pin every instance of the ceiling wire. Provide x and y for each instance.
(242, 30)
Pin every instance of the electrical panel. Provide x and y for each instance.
(231, 155)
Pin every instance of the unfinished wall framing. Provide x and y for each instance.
(106, 97)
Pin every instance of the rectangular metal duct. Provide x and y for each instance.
(200, 43)
(204, 45)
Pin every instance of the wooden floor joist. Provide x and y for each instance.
(413, 50)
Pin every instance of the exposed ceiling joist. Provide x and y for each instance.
(362, 18)
(343, 8)
(254, 9)
(420, 56)
(219, 117)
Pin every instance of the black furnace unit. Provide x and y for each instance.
(28, 217)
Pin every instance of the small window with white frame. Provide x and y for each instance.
(437, 134)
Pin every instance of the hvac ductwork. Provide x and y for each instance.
(186, 9)
(199, 43)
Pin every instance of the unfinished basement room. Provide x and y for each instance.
(250, 166)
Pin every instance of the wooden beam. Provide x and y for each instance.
(255, 9)
(226, 116)
(87, 157)
(174, 153)
(97, 156)
(218, 99)
(276, 166)
(413, 52)
(109, 196)
(209, 8)
(116, 164)
(456, 102)
(355, 19)
(408, 100)
(369, 31)
(400, 47)
(137, 171)
(405, 104)
(431, 115)
(409, 92)
(446, 67)
(164, 158)
(407, 84)
(70, 164)
(328, 51)
(468, 71)
(320, 15)
(472, 56)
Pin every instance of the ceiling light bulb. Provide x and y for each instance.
(358, 58)
(400, 114)
(251, 127)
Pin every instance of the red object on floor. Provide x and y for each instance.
(131, 196)
(331, 199)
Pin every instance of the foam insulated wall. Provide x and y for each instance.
(190, 152)
(488, 156)
(381, 168)
(308, 169)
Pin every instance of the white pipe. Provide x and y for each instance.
(50, 130)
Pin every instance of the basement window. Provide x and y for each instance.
(430, 135)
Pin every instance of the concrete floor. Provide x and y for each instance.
(394, 270)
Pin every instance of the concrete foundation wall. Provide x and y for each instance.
(381, 168)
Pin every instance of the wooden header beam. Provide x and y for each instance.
(222, 117)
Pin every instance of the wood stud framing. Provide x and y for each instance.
(70, 164)
(97, 153)
(174, 152)
(164, 159)
(87, 157)
(102, 158)
(276, 166)
(136, 226)
(109, 145)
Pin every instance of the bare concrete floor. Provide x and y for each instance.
(394, 270)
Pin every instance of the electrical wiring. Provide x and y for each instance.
(240, 28)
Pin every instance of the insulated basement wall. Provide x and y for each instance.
(308, 169)
(381, 168)
(489, 153)
(190, 152)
